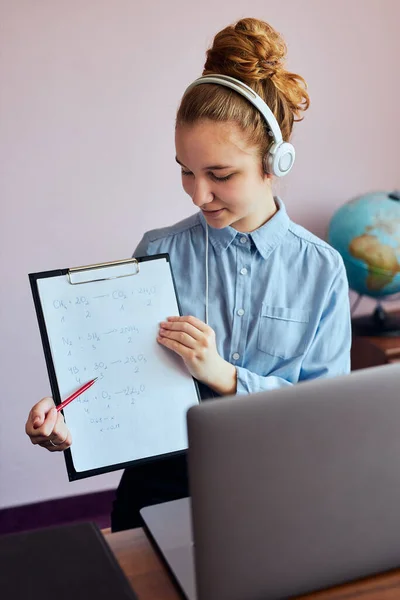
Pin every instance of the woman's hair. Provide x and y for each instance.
(253, 52)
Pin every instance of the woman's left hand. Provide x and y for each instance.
(195, 342)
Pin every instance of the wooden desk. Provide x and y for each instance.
(151, 581)
(371, 351)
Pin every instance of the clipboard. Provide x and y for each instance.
(102, 321)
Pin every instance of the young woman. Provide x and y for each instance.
(265, 302)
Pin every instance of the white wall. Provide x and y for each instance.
(88, 93)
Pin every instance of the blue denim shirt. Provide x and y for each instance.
(278, 297)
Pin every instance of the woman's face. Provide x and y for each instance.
(223, 175)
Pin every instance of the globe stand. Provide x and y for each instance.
(379, 323)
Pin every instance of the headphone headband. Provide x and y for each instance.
(244, 90)
(281, 155)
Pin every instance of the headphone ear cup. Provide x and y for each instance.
(279, 159)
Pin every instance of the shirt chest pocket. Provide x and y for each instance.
(283, 332)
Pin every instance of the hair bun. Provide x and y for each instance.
(254, 52)
(250, 50)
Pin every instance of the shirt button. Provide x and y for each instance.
(240, 312)
(243, 240)
(243, 271)
(235, 356)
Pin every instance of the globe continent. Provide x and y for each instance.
(366, 232)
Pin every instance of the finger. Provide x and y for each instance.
(39, 439)
(58, 447)
(43, 433)
(178, 336)
(60, 430)
(192, 320)
(183, 351)
(182, 327)
(47, 428)
(38, 414)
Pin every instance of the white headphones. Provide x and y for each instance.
(280, 157)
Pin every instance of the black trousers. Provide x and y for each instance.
(149, 483)
(152, 482)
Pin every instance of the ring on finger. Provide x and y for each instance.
(60, 444)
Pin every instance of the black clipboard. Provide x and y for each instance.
(77, 552)
(79, 276)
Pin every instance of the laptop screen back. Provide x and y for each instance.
(296, 489)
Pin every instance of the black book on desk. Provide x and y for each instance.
(70, 562)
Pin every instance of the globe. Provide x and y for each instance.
(366, 232)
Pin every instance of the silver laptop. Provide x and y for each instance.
(292, 490)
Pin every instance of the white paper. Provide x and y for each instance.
(108, 329)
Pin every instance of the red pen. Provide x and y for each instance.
(75, 394)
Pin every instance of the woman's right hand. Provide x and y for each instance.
(46, 427)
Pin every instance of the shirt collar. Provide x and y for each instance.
(220, 238)
(266, 238)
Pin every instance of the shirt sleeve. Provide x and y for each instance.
(249, 382)
(141, 248)
(329, 351)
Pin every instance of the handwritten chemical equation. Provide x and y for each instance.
(107, 348)
(96, 404)
(105, 423)
(139, 358)
(117, 295)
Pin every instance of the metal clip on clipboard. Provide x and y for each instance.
(103, 271)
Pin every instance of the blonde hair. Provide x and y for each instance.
(253, 52)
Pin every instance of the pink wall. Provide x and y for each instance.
(88, 93)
